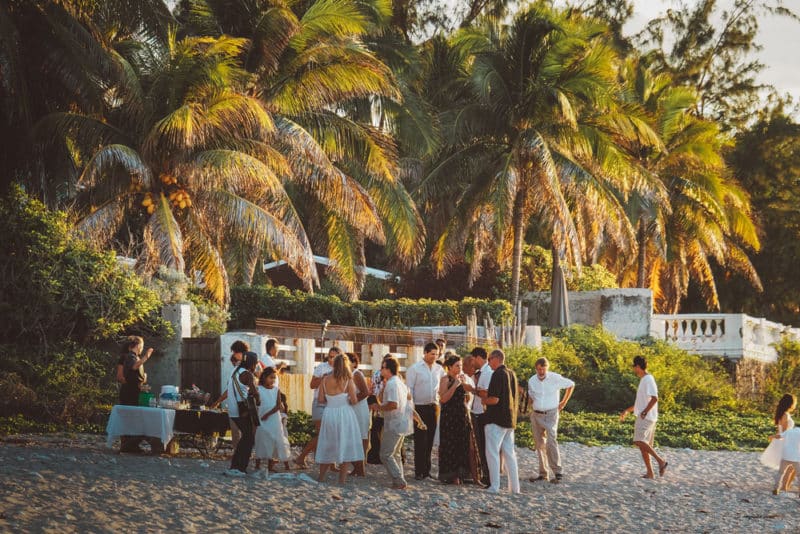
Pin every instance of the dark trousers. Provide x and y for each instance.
(374, 454)
(480, 438)
(423, 440)
(241, 455)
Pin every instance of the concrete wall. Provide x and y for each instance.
(624, 312)
(164, 367)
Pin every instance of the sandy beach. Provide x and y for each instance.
(74, 483)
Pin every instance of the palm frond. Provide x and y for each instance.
(253, 224)
(166, 234)
(314, 172)
(346, 252)
(116, 156)
(205, 257)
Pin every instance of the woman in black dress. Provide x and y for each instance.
(457, 451)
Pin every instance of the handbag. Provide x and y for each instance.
(248, 407)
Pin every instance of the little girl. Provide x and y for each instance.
(271, 442)
(772, 455)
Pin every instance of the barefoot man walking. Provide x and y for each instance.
(646, 410)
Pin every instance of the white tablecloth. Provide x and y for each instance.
(140, 421)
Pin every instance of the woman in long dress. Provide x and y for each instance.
(457, 451)
(339, 433)
(362, 411)
(771, 457)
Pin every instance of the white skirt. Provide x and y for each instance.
(363, 416)
(771, 457)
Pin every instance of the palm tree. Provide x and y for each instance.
(535, 140)
(692, 211)
(321, 85)
(185, 159)
(51, 56)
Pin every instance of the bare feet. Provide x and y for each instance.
(300, 464)
(662, 468)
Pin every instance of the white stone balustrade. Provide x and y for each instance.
(732, 335)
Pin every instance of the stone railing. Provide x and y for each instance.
(733, 335)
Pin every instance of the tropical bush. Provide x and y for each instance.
(600, 365)
(62, 298)
(784, 375)
(56, 286)
(249, 303)
(706, 430)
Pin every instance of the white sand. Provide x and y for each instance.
(75, 484)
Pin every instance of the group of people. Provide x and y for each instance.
(467, 406)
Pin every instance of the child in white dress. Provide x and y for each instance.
(271, 443)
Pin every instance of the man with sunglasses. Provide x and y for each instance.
(320, 372)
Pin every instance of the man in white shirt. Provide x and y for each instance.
(320, 372)
(482, 378)
(395, 427)
(544, 389)
(646, 410)
(268, 360)
(422, 380)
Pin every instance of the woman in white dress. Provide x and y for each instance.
(271, 443)
(362, 411)
(771, 457)
(339, 433)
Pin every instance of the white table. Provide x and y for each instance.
(140, 421)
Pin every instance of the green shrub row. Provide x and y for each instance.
(682, 429)
(250, 303)
(601, 367)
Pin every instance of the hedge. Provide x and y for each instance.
(249, 303)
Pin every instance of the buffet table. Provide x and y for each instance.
(140, 421)
(196, 428)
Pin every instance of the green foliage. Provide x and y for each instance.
(58, 287)
(67, 384)
(248, 303)
(699, 430)
(208, 318)
(601, 367)
(784, 375)
(300, 428)
(19, 424)
(537, 273)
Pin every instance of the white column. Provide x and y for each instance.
(415, 354)
(305, 356)
(378, 352)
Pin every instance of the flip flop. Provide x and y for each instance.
(662, 469)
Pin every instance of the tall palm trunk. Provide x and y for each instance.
(641, 240)
(517, 220)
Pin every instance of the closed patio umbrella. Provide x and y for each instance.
(559, 303)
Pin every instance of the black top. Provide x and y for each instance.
(133, 376)
(503, 386)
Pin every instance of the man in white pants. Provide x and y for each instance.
(501, 420)
(544, 390)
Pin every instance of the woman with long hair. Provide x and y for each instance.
(771, 457)
(339, 433)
